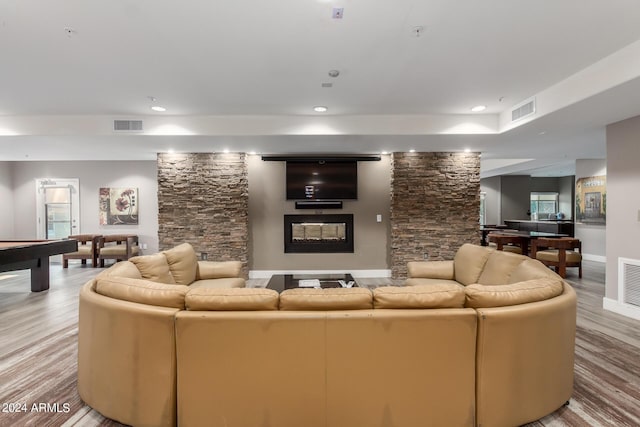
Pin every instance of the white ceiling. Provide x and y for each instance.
(244, 75)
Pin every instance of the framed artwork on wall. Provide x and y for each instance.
(591, 199)
(118, 206)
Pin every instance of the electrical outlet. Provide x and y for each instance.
(426, 255)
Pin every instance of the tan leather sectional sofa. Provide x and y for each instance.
(442, 351)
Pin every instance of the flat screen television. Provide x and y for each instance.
(322, 180)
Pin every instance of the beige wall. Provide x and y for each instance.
(593, 236)
(92, 176)
(623, 201)
(267, 207)
(6, 195)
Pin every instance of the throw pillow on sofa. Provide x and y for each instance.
(154, 267)
(183, 263)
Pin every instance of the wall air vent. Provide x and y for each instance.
(524, 109)
(127, 125)
(629, 281)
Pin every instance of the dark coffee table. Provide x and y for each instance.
(280, 282)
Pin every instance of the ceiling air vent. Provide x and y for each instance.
(127, 125)
(524, 109)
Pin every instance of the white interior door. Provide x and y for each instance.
(57, 209)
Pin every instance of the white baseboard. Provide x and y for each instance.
(266, 274)
(627, 310)
(590, 257)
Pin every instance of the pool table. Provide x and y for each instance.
(34, 255)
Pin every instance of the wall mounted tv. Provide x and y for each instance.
(322, 180)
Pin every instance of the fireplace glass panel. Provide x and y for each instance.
(318, 233)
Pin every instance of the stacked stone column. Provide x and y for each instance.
(203, 199)
(435, 206)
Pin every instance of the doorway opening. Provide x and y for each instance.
(57, 208)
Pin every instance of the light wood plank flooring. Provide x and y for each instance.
(38, 350)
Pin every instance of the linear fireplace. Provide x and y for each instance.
(318, 233)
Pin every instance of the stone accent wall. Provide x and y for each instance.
(203, 199)
(435, 206)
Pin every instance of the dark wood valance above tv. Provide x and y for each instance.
(320, 157)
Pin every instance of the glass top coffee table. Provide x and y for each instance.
(280, 282)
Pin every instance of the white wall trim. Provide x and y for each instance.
(266, 274)
(627, 310)
(591, 257)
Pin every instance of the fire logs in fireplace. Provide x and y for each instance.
(318, 233)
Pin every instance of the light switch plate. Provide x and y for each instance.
(379, 217)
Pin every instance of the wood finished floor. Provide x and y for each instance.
(38, 350)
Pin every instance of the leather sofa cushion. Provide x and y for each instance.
(499, 266)
(482, 296)
(221, 283)
(142, 291)
(218, 269)
(122, 269)
(469, 262)
(154, 267)
(431, 269)
(417, 281)
(531, 269)
(183, 263)
(326, 299)
(443, 295)
(239, 299)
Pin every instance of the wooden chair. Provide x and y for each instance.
(558, 253)
(119, 247)
(87, 249)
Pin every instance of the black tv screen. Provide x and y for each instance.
(320, 180)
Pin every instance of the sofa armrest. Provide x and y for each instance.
(431, 269)
(218, 269)
(538, 366)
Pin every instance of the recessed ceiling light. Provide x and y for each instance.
(253, 153)
(479, 108)
(384, 153)
(320, 109)
(334, 73)
(413, 150)
(226, 150)
(467, 150)
(170, 151)
(158, 108)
